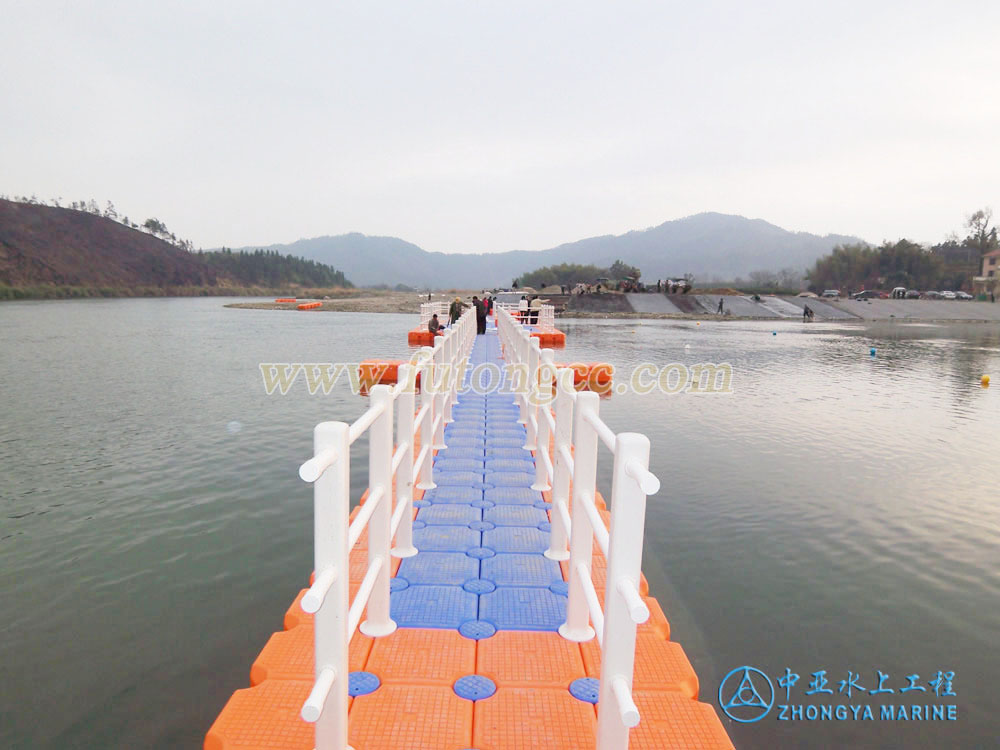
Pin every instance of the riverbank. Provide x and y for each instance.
(66, 291)
(363, 300)
(686, 307)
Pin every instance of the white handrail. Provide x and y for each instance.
(313, 707)
(603, 431)
(313, 469)
(566, 456)
(316, 594)
(361, 520)
(336, 616)
(593, 604)
(363, 597)
(600, 533)
(366, 420)
(563, 512)
(577, 431)
(399, 455)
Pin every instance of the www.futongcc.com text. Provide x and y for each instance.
(701, 378)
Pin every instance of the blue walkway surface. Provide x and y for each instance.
(482, 531)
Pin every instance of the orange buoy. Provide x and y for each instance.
(310, 305)
(381, 372)
(591, 376)
(550, 339)
(420, 336)
(599, 377)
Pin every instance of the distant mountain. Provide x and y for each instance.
(707, 245)
(48, 246)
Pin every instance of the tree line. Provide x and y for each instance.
(947, 265)
(568, 274)
(270, 268)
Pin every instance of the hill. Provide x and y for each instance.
(43, 247)
(60, 246)
(707, 245)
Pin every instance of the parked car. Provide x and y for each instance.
(932, 295)
(964, 295)
(868, 294)
(899, 292)
(913, 294)
(948, 295)
(831, 292)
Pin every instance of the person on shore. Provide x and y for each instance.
(434, 326)
(455, 311)
(807, 314)
(993, 297)
(720, 306)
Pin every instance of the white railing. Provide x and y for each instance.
(429, 309)
(551, 406)
(546, 316)
(441, 370)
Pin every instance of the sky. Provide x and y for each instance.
(480, 126)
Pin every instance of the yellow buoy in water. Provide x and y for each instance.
(985, 380)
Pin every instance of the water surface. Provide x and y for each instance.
(836, 511)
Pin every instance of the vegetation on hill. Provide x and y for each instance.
(270, 268)
(52, 251)
(569, 274)
(948, 265)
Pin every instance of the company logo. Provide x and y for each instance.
(746, 695)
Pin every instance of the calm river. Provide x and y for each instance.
(836, 513)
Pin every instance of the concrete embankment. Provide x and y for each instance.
(776, 308)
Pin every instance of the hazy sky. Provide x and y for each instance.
(484, 125)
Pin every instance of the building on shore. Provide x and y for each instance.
(988, 279)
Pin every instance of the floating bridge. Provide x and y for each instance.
(481, 596)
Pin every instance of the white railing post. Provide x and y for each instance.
(426, 425)
(380, 525)
(623, 607)
(581, 548)
(530, 396)
(560, 482)
(327, 704)
(404, 474)
(448, 351)
(437, 380)
(544, 381)
(520, 352)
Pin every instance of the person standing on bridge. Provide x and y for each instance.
(480, 307)
(455, 311)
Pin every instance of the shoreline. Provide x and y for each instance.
(909, 311)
